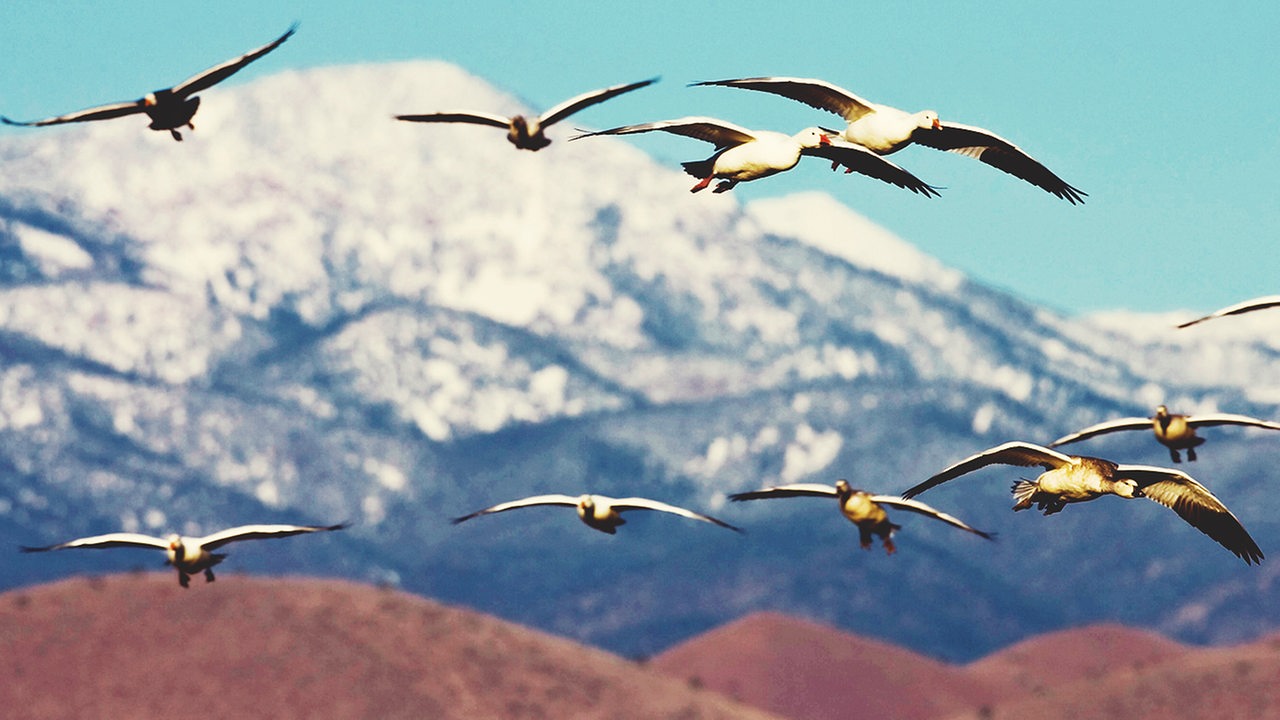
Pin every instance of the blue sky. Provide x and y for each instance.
(1167, 114)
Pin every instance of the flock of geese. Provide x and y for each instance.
(871, 131)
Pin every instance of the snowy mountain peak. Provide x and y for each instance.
(819, 220)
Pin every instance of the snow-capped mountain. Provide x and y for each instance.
(310, 312)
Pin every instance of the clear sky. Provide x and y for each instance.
(1166, 113)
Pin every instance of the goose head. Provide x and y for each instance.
(149, 100)
(843, 489)
(175, 546)
(928, 120)
(1127, 488)
(812, 137)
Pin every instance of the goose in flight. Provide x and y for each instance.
(1173, 430)
(885, 129)
(528, 133)
(189, 555)
(599, 512)
(860, 507)
(743, 154)
(1261, 303)
(170, 108)
(1074, 478)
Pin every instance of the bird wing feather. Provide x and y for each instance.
(1010, 453)
(100, 112)
(718, 132)
(1194, 503)
(984, 145)
(639, 503)
(259, 532)
(1129, 423)
(791, 490)
(562, 500)
(110, 540)
(1247, 306)
(216, 74)
(574, 104)
(858, 158)
(814, 93)
(918, 507)
(460, 116)
(1212, 419)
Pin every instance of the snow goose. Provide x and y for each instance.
(861, 507)
(885, 129)
(743, 154)
(528, 133)
(1173, 430)
(1261, 303)
(189, 555)
(1073, 478)
(599, 512)
(170, 108)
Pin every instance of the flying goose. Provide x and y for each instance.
(1174, 431)
(743, 154)
(599, 512)
(527, 133)
(1076, 478)
(1261, 303)
(170, 108)
(861, 507)
(885, 129)
(189, 555)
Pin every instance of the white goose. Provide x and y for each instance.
(1074, 478)
(170, 108)
(886, 129)
(1173, 430)
(599, 512)
(189, 555)
(743, 154)
(1261, 303)
(860, 507)
(528, 133)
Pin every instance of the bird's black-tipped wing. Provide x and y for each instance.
(856, 158)
(1130, 423)
(814, 93)
(260, 532)
(460, 116)
(1261, 303)
(218, 73)
(717, 132)
(1010, 453)
(1194, 503)
(563, 500)
(999, 153)
(574, 104)
(101, 112)
(639, 503)
(1213, 419)
(110, 540)
(783, 491)
(916, 506)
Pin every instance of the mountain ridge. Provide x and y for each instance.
(304, 314)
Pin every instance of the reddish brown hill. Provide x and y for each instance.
(1234, 683)
(138, 646)
(1068, 655)
(805, 670)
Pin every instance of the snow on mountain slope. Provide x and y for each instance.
(310, 311)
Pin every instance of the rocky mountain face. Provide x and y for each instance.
(308, 312)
